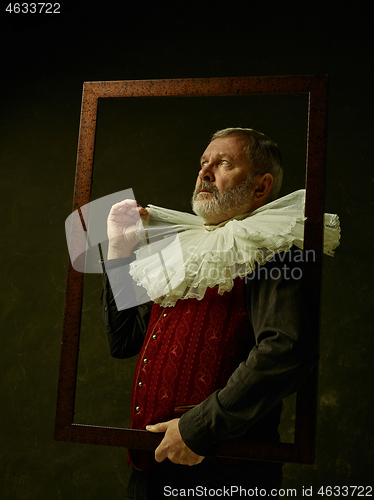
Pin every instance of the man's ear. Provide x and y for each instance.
(262, 186)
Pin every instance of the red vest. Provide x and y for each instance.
(189, 351)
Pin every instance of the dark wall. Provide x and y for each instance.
(45, 61)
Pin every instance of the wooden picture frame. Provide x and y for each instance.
(303, 448)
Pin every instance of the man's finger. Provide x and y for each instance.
(160, 427)
(142, 210)
(160, 454)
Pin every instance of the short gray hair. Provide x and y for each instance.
(263, 153)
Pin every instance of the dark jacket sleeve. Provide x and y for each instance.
(125, 326)
(284, 355)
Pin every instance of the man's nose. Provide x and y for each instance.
(206, 173)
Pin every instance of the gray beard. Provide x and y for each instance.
(222, 205)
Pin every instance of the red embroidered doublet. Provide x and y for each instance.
(190, 350)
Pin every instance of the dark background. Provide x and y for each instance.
(44, 62)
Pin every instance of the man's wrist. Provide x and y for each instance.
(196, 434)
(118, 253)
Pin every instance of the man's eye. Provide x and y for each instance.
(225, 163)
(204, 163)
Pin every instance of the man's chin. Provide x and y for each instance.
(200, 208)
(203, 210)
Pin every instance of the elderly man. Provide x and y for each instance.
(216, 364)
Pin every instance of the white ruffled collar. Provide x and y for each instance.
(179, 257)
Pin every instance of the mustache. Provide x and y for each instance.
(206, 186)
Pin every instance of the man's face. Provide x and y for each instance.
(223, 187)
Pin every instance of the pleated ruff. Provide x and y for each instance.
(180, 258)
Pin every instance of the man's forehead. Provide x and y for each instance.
(226, 146)
(218, 153)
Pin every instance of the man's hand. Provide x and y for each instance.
(122, 220)
(172, 446)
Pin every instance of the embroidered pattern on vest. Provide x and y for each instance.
(189, 352)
